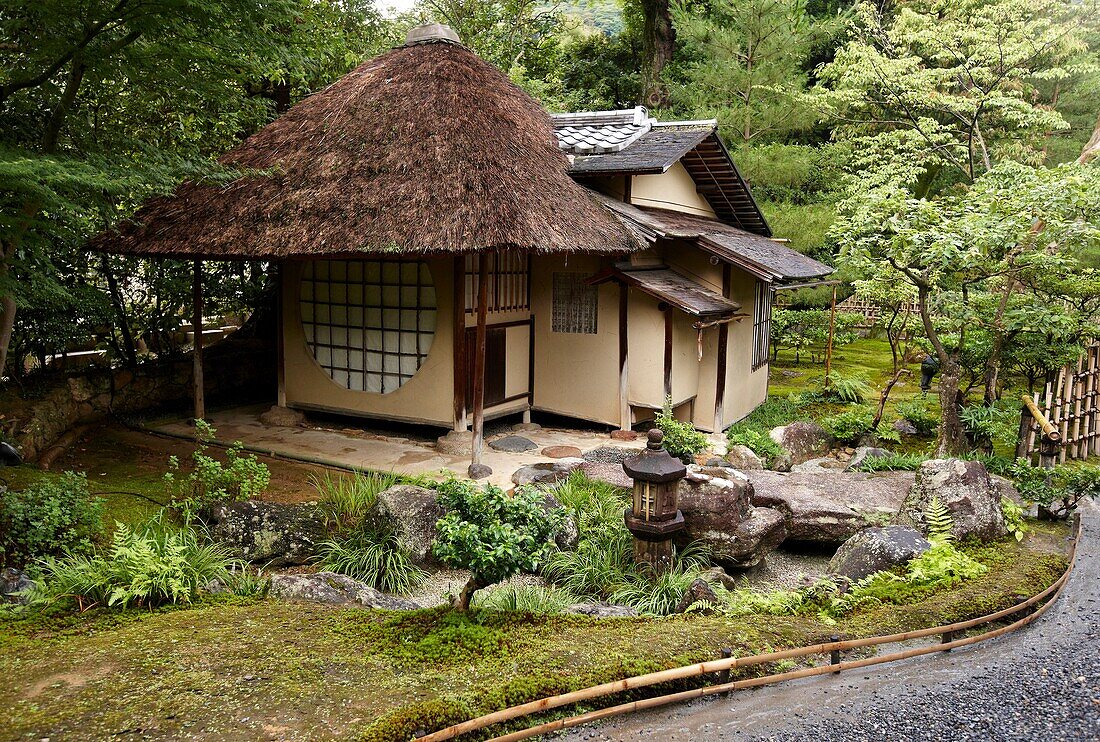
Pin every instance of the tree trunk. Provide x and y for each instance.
(658, 45)
(128, 346)
(952, 440)
(462, 600)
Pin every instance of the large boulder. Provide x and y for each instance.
(802, 441)
(718, 513)
(875, 549)
(966, 490)
(699, 592)
(269, 533)
(829, 507)
(743, 458)
(331, 588)
(412, 512)
(550, 472)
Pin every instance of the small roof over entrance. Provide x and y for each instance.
(668, 286)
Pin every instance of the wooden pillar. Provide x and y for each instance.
(829, 347)
(458, 307)
(196, 321)
(624, 362)
(668, 350)
(723, 350)
(280, 351)
(479, 358)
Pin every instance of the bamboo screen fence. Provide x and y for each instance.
(1072, 404)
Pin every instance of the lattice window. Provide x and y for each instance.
(369, 324)
(576, 304)
(761, 324)
(509, 275)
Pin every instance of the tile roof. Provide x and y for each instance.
(669, 286)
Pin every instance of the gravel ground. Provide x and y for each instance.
(1040, 683)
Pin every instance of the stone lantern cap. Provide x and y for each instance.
(654, 464)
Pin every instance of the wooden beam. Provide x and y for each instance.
(458, 307)
(280, 350)
(196, 322)
(668, 349)
(479, 358)
(624, 365)
(723, 343)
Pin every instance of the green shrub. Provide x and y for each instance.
(848, 389)
(659, 594)
(850, 425)
(1058, 491)
(681, 439)
(53, 516)
(987, 425)
(919, 412)
(345, 500)
(242, 580)
(760, 442)
(210, 481)
(893, 462)
(375, 556)
(1014, 518)
(492, 534)
(774, 412)
(536, 599)
(145, 566)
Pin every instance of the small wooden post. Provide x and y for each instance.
(724, 675)
(458, 307)
(829, 347)
(723, 352)
(196, 321)
(624, 360)
(479, 358)
(668, 350)
(280, 353)
(834, 656)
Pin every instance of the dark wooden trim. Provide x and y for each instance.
(458, 308)
(531, 362)
(479, 358)
(668, 349)
(723, 350)
(280, 340)
(365, 414)
(196, 324)
(624, 365)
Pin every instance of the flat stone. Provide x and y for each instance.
(718, 576)
(824, 464)
(513, 444)
(875, 549)
(743, 458)
(479, 471)
(602, 610)
(455, 443)
(332, 588)
(624, 435)
(547, 472)
(526, 427)
(561, 452)
(612, 474)
(283, 417)
(610, 454)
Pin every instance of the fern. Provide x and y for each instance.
(938, 520)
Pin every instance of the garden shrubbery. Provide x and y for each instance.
(53, 516)
(681, 439)
(241, 477)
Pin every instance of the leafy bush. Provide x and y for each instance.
(241, 477)
(919, 412)
(374, 556)
(491, 534)
(849, 389)
(987, 425)
(346, 500)
(850, 425)
(53, 516)
(760, 442)
(537, 599)
(681, 439)
(1014, 518)
(893, 462)
(803, 329)
(1057, 491)
(146, 566)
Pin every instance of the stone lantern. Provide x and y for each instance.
(653, 517)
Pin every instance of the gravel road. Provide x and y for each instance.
(1039, 683)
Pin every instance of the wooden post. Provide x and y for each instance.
(479, 358)
(723, 350)
(829, 347)
(624, 360)
(280, 352)
(196, 321)
(458, 307)
(668, 351)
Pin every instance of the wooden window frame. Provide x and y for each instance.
(762, 324)
(509, 274)
(579, 314)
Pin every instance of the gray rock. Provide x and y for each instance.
(823, 464)
(802, 440)
(612, 474)
(875, 549)
(716, 461)
(610, 454)
(479, 471)
(455, 443)
(829, 507)
(602, 610)
(966, 490)
(13, 584)
(513, 444)
(718, 576)
(412, 512)
(550, 472)
(866, 452)
(743, 458)
(267, 532)
(568, 535)
(699, 591)
(331, 588)
(905, 427)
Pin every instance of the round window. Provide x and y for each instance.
(368, 323)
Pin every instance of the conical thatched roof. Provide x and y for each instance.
(425, 149)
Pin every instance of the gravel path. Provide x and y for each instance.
(1040, 683)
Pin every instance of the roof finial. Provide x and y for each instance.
(427, 33)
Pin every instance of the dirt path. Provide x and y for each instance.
(1042, 682)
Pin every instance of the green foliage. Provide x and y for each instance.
(850, 425)
(994, 423)
(375, 556)
(919, 411)
(536, 599)
(774, 412)
(807, 329)
(656, 595)
(210, 481)
(938, 521)
(407, 722)
(346, 500)
(760, 442)
(492, 534)
(146, 566)
(50, 517)
(681, 439)
(1060, 490)
(893, 462)
(1014, 518)
(849, 389)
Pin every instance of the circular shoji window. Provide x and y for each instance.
(368, 323)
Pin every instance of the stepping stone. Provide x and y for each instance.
(512, 444)
(479, 471)
(561, 452)
(624, 435)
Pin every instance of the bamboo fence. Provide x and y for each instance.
(722, 667)
(868, 310)
(1071, 402)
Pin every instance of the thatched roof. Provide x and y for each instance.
(426, 149)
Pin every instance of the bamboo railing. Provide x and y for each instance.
(723, 666)
(1071, 403)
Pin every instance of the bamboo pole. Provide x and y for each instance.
(725, 664)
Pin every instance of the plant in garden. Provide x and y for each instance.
(938, 521)
(987, 425)
(658, 594)
(144, 566)
(52, 516)
(918, 411)
(848, 389)
(681, 439)
(762, 444)
(537, 599)
(802, 329)
(893, 462)
(375, 556)
(492, 534)
(210, 481)
(850, 425)
(1058, 491)
(1014, 518)
(345, 500)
